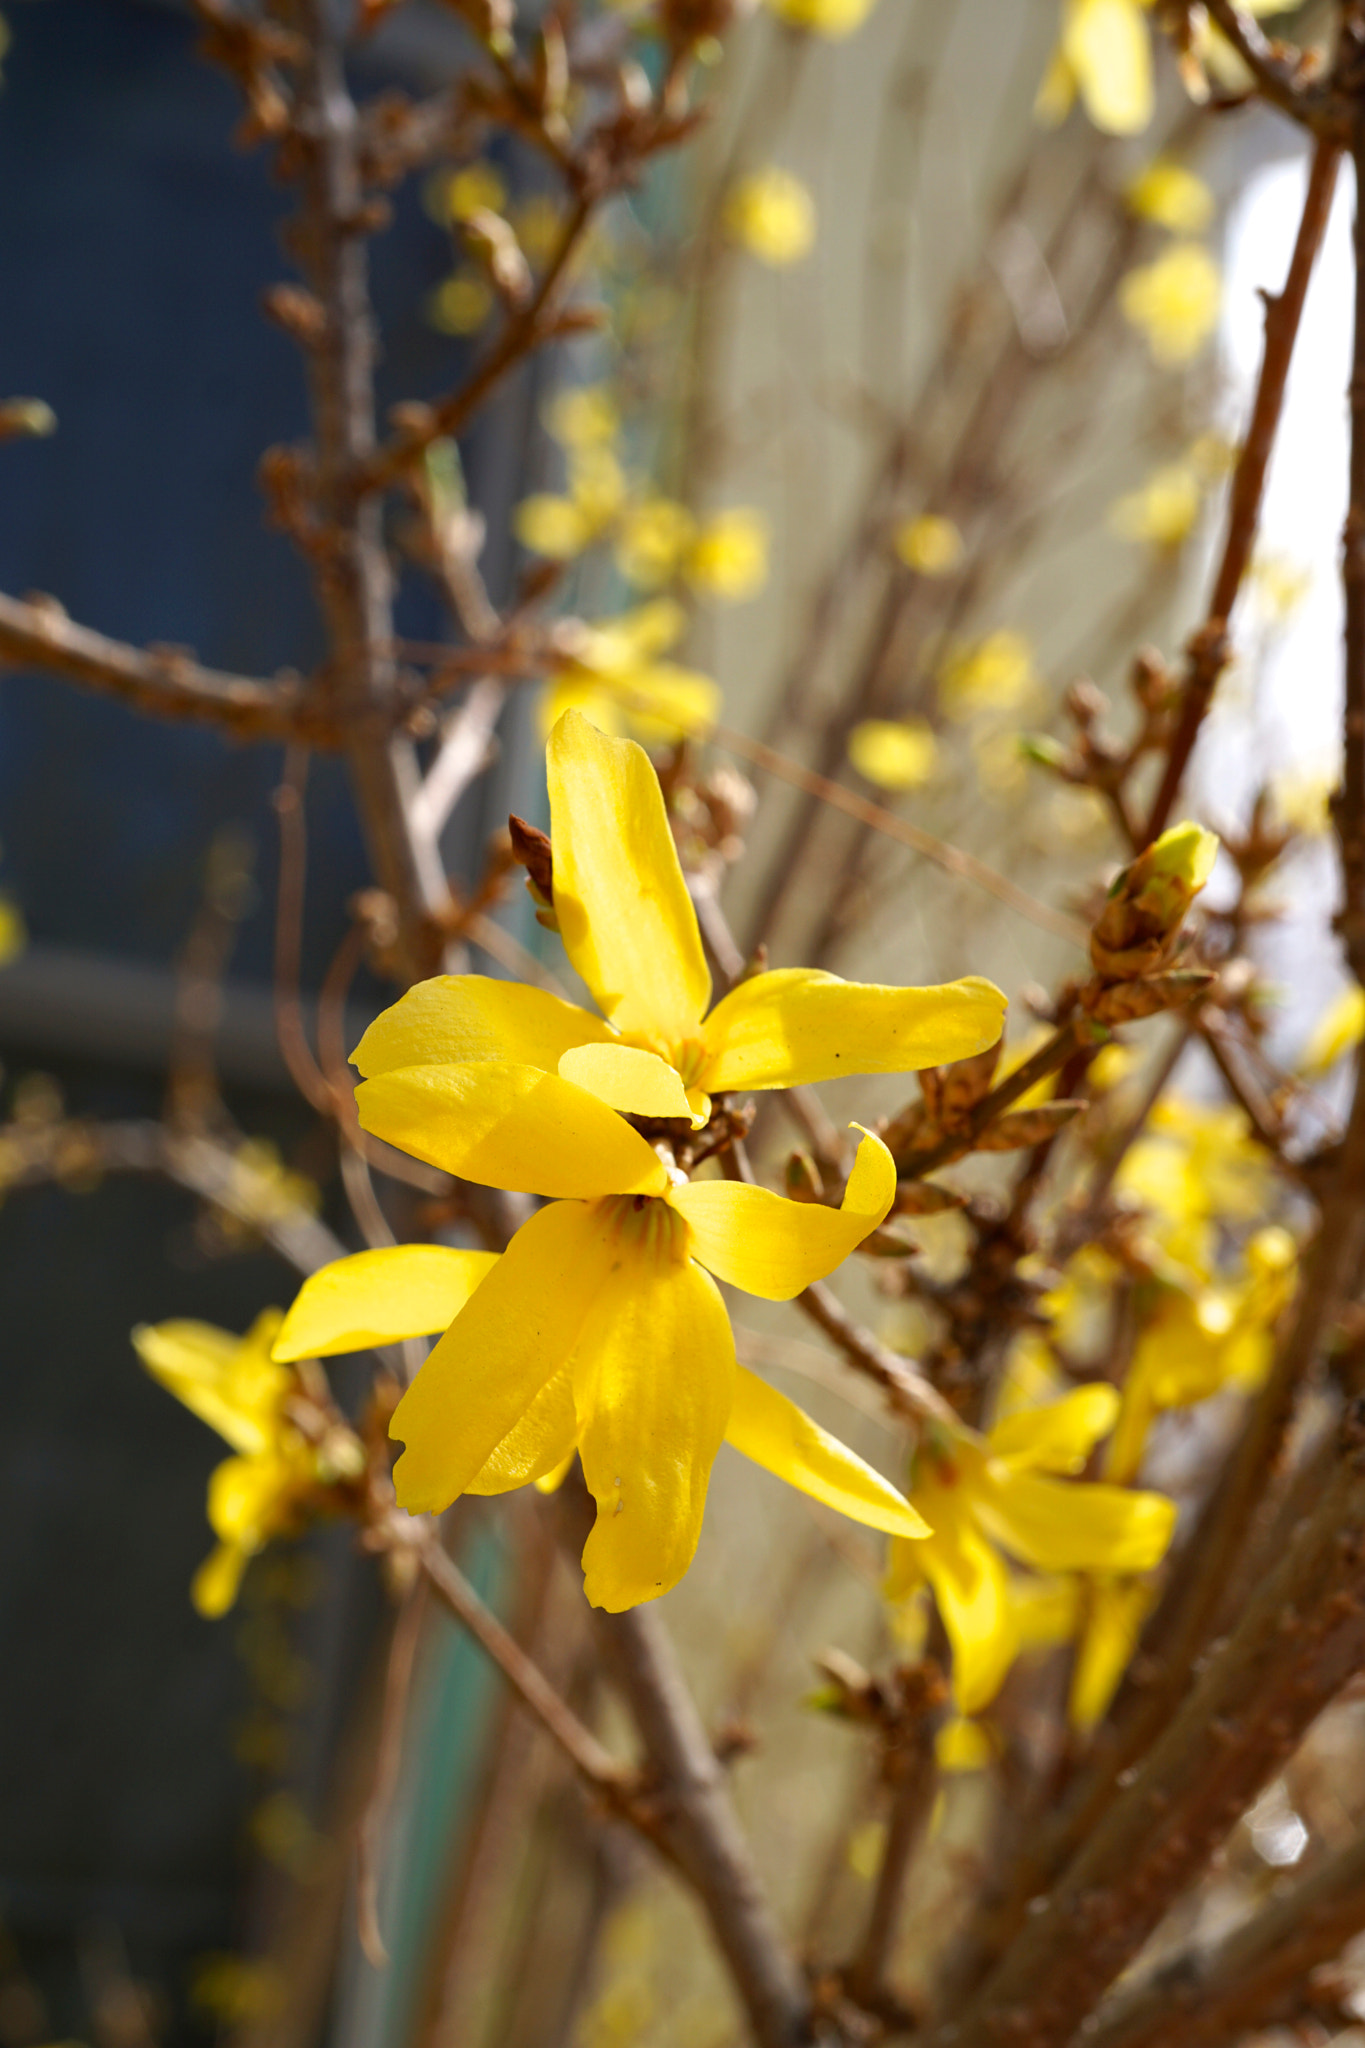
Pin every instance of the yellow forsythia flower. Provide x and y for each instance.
(478, 188)
(994, 674)
(1174, 301)
(832, 18)
(1340, 1028)
(1104, 53)
(600, 1328)
(729, 557)
(1163, 510)
(1165, 192)
(772, 215)
(893, 755)
(13, 931)
(462, 304)
(652, 541)
(584, 417)
(232, 1384)
(1115, 1609)
(929, 545)
(977, 1493)
(614, 676)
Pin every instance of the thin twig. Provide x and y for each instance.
(907, 1390)
(466, 741)
(407, 1632)
(1210, 650)
(165, 682)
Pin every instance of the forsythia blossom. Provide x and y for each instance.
(265, 1488)
(772, 215)
(600, 1329)
(1104, 54)
(977, 1493)
(1174, 301)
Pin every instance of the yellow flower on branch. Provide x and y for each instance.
(929, 544)
(1338, 1031)
(1104, 54)
(601, 1330)
(1170, 195)
(984, 1495)
(728, 557)
(1174, 302)
(894, 754)
(232, 1384)
(659, 1050)
(772, 215)
(612, 674)
(1163, 510)
(994, 674)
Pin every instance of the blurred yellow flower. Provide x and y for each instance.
(614, 677)
(562, 526)
(462, 304)
(833, 18)
(477, 188)
(1114, 1611)
(893, 755)
(584, 417)
(1340, 1028)
(1281, 584)
(772, 215)
(538, 223)
(1174, 302)
(1170, 195)
(232, 1384)
(979, 1492)
(729, 556)
(1302, 799)
(1163, 510)
(1104, 54)
(994, 674)
(13, 931)
(652, 541)
(929, 545)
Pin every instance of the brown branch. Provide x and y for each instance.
(378, 468)
(351, 569)
(1209, 649)
(906, 1389)
(1049, 1057)
(1244, 1982)
(1349, 804)
(595, 1766)
(912, 1804)
(165, 682)
(1299, 1641)
(1275, 78)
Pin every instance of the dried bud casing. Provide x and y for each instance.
(1125, 1002)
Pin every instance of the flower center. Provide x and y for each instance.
(647, 1227)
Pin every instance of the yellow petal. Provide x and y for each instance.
(1341, 1026)
(654, 1379)
(550, 1482)
(962, 1745)
(455, 1018)
(1106, 44)
(797, 1024)
(1123, 1453)
(626, 1078)
(246, 1497)
(1057, 93)
(772, 1247)
(776, 1434)
(510, 1127)
(1058, 1527)
(971, 1588)
(539, 1445)
(1118, 1608)
(1058, 1437)
(228, 1382)
(503, 1348)
(215, 1585)
(380, 1297)
(624, 912)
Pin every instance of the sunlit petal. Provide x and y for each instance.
(1059, 1436)
(654, 1378)
(503, 1348)
(635, 1082)
(778, 1435)
(228, 1382)
(797, 1024)
(772, 1247)
(215, 1585)
(1059, 1527)
(624, 912)
(971, 1587)
(540, 1444)
(1118, 1608)
(1107, 45)
(380, 1297)
(510, 1127)
(455, 1018)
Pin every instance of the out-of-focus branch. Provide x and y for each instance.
(1299, 1641)
(1349, 804)
(907, 1390)
(1210, 650)
(694, 1822)
(1274, 77)
(166, 682)
(465, 743)
(1244, 1982)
